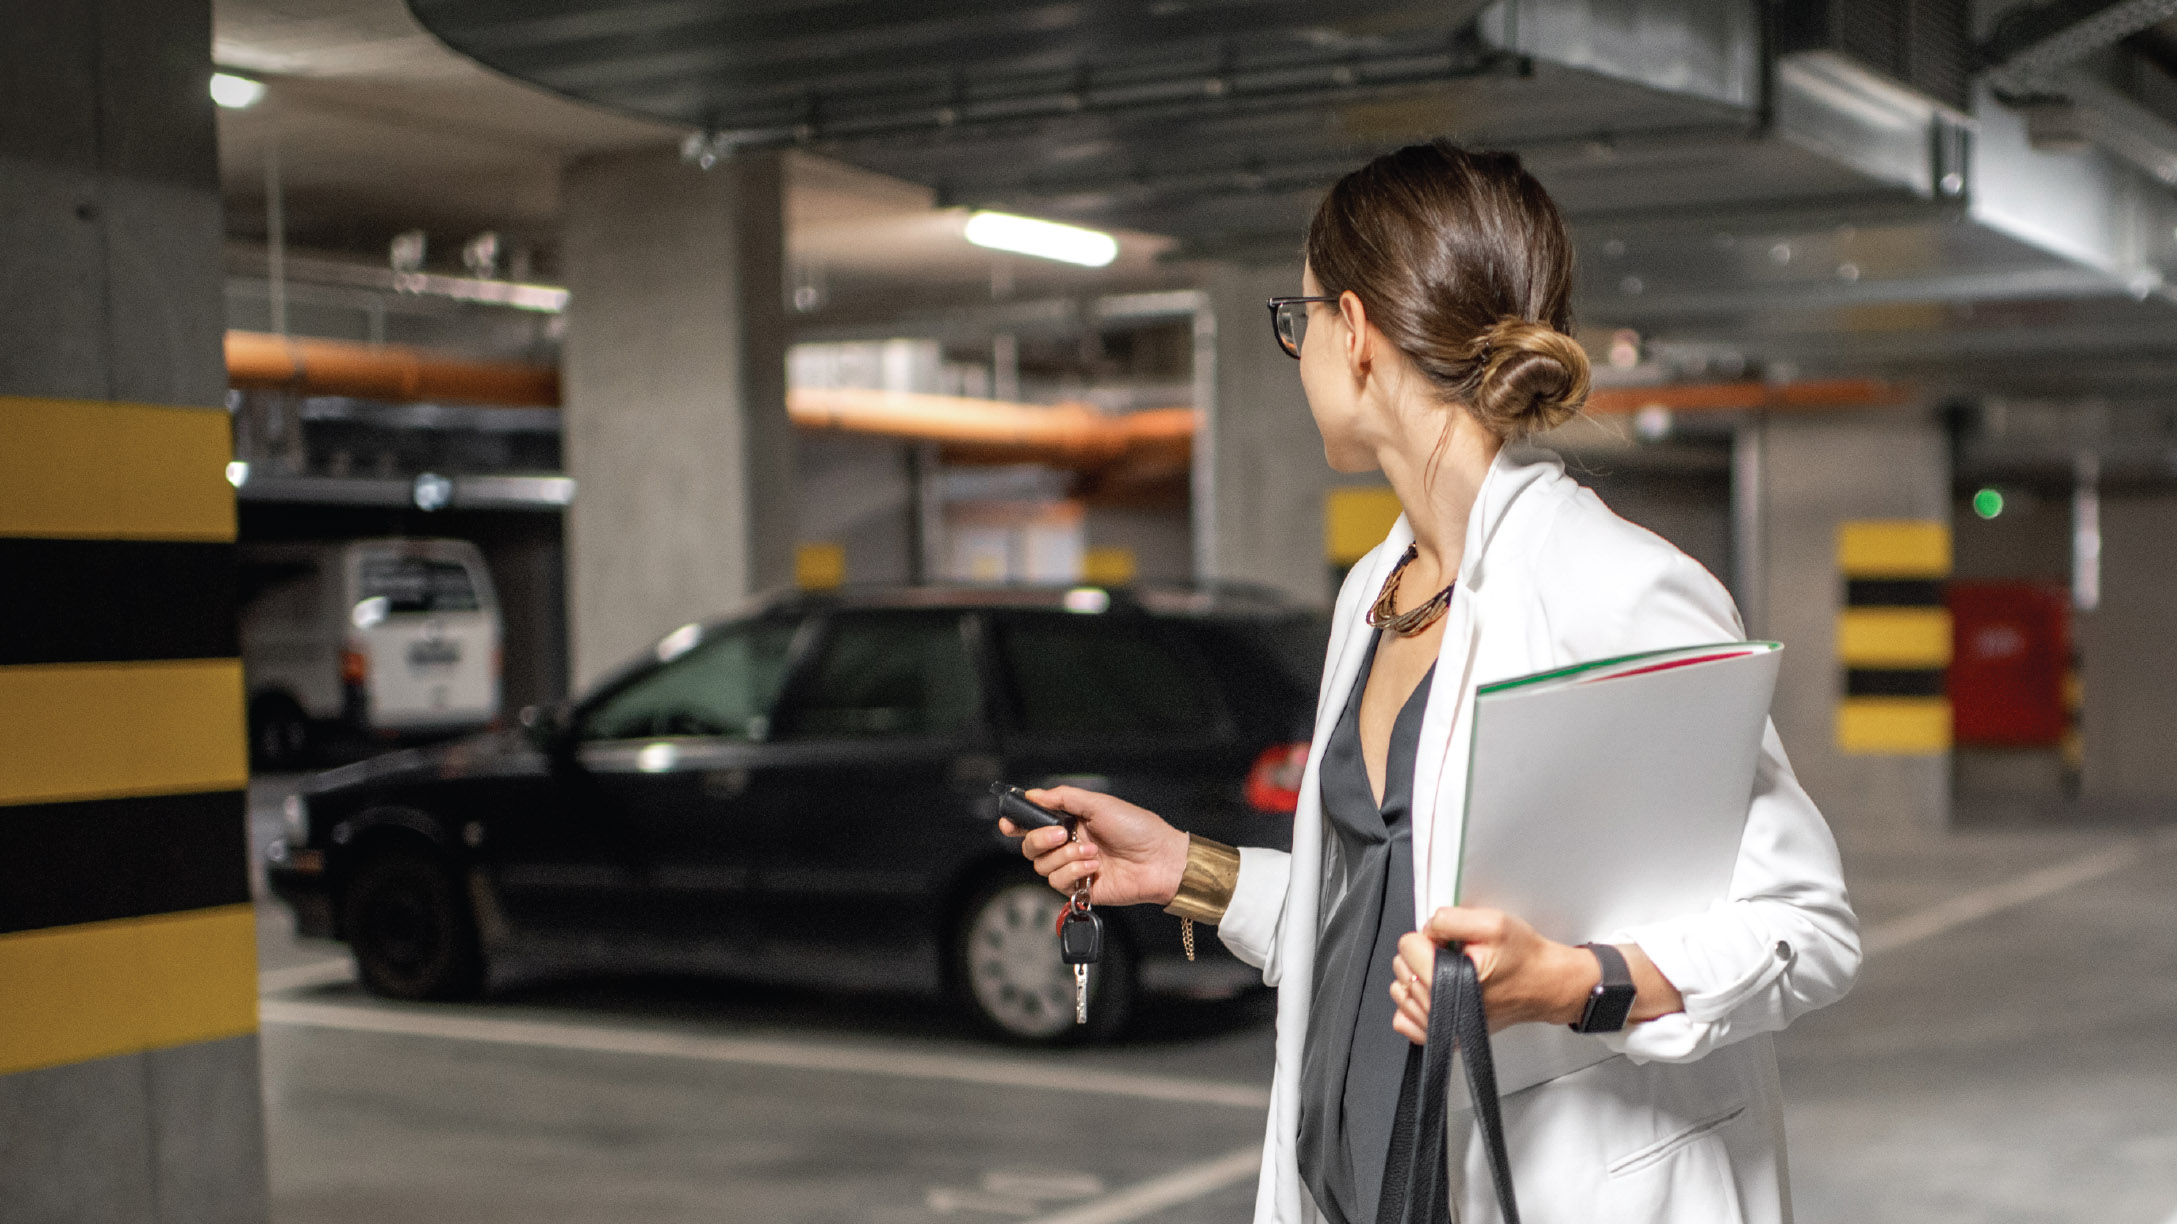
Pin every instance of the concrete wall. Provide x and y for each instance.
(2130, 657)
(1260, 476)
(1819, 472)
(128, 1050)
(674, 390)
(858, 493)
(1160, 539)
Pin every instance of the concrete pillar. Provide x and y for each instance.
(1816, 474)
(1260, 478)
(674, 391)
(129, 1085)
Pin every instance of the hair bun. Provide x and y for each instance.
(1532, 378)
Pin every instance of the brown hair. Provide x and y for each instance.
(1464, 263)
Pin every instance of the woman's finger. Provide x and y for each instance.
(1072, 873)
(1419, 1035)
(1459, 924)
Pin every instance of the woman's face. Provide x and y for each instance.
(1328, 376)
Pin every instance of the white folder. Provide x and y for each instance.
(1606, 795)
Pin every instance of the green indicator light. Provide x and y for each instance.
(1988, 503)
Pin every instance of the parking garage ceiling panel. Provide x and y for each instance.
(1215, 121)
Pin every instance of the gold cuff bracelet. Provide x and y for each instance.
(1205, 889)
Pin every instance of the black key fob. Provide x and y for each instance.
(1014, 805)
(1081, 937)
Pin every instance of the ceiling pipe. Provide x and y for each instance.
(383, 372)
(1814, 394)
(970, 430)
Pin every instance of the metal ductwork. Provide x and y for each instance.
(1827, 187)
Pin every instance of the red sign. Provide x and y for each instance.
(2011, 644)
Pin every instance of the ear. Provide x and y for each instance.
(1359, 351)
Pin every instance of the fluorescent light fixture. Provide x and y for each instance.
(236, 92)
(1042, 239)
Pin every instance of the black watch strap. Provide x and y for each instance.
(1611, 1002)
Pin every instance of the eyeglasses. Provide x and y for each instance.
(1289, 319)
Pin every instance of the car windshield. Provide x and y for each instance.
(417, 584)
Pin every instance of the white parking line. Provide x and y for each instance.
(1170, 1190)
(889, 1061)
(1975, 904)
(298, 977)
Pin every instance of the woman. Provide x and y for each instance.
(1436, 300)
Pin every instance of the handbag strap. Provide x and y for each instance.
(1416, 1179)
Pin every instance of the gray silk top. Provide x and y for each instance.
(1353, 1062)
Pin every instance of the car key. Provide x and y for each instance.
(1080, 944)
(1025, 813)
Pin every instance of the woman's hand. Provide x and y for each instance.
(1133, 854)
(1525, 978)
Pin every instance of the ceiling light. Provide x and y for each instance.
(1042, 239)
(234, 92)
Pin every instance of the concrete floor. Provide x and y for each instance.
(2009, 1054)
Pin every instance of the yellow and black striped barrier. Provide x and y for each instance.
(125, 922)
(1893, 637)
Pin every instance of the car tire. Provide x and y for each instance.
(1008, 975)
(411, 929)
(279, 733)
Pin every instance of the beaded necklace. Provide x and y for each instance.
(1383, 614)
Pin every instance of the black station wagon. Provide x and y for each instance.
(802, 793)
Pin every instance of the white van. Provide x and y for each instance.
(391, 637)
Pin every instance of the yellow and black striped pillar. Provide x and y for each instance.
(129, 1083)
(1893, 638)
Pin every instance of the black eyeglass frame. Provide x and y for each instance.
(1291, 348)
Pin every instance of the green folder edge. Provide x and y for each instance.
(1458, 880)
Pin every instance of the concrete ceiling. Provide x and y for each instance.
(378, 128)
(1736, 208)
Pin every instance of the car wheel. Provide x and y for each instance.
(1007, 967)
(411, 930)
(279, 733)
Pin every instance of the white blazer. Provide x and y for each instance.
(1688, 1124)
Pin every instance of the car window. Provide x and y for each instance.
(417, 584)
(1077, 675)
(724, 686)
(883, 674)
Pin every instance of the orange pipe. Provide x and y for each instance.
(993, 430)
(1725, 397)
(970, 429)
(383, 372)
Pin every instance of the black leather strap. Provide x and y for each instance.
(1416, 1179)
(1611, 1003)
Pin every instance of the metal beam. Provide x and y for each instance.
(2035, 42)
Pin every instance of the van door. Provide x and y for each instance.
(427, 628)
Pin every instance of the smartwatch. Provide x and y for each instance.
(1612, 999)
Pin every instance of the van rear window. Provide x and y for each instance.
(419, 584)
